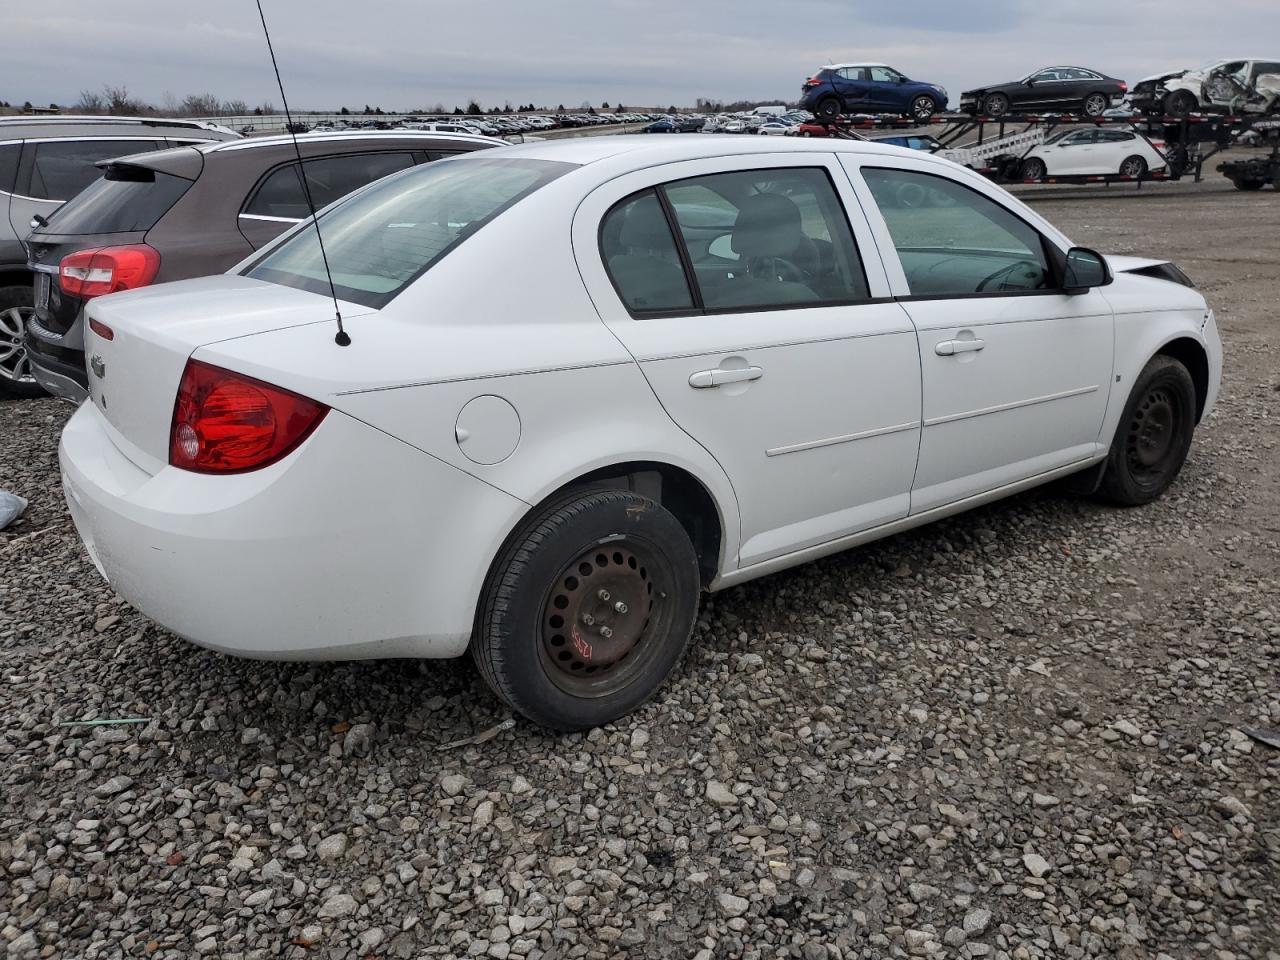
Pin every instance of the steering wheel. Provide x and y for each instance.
(1004, 271)
(779, 267)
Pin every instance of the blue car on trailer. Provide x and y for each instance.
(870, 88)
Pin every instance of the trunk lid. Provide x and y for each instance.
(134, 375)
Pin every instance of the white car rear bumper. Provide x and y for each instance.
(356, 545)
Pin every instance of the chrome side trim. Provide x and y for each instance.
(846, 438)
(1016, 404)
(263, 216)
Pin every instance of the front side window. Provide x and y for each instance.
(884, 75)
(754, 239)
(953, 241)
(390, 234)
(63, 168)
(330, 179)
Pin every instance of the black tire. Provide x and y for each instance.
(995, 105)
(1095, 104)
(1250, 185)
(1034, 169)
(828, 108)
(17, 304)
(1153, 436)
(603, 558)
(923, 107)
(1134, 166)
(1180, 103)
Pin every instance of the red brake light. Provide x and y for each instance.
(91, 273)
(225, 422)
(813, 81)
(1124, 87)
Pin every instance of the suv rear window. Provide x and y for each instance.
(62, 168)
(389, 234)
(126, 199)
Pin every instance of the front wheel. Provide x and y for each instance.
(588, 610)
(995, 105)
(923, 108)
(1242, 184)
(1153, 436)
(1180, 103)
(1034, 169)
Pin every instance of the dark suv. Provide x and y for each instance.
(44, 161)
(870, 88)
(192, 212)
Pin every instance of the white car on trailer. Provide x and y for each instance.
(699, 360)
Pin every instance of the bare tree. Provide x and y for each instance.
(169, 103)
(119, 103)
(90, 102)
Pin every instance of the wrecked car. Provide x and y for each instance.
(1234, 86)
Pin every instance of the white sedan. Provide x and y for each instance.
(698, 361)
(1093, 151)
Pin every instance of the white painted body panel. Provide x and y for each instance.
(1095, 158)
(374, 538)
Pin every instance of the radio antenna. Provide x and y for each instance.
(342, 339)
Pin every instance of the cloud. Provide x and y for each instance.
(414, 53)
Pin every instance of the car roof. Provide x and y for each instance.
(342, 136)
(650, 150)
(32, 126)
(860, 63)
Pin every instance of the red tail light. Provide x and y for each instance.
(813, 81)
(1124, 87)
(91, 273)
(225, 422)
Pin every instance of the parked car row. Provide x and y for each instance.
(487, 124)
(84, 221)
(1248, 85)
(882, 338)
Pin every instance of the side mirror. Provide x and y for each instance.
(1031, 81)
(1085, 269)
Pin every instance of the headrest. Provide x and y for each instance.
(768, 225)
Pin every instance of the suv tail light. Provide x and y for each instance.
(813, 81)
(92, 273)
(225, 422)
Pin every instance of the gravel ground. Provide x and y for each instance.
(1013, 734)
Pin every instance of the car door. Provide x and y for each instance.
(885, 89)
(51, 172)
(1040, 90)
(851, 84)
(1076, 153)
(1016, 373)
(759, 313)
(1069, 91)
(278, 201)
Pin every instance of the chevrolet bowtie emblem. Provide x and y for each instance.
(98, 366)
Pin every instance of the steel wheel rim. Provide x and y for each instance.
(602, 616)
(14, 365)
(1152, 433)
(1095, 105)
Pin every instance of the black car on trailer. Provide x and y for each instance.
(1068, 89)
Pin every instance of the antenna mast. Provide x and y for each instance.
(342, 339)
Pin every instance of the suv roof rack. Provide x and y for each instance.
(76, 118)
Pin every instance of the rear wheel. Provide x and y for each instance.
(1180, 103)
(1242, 184)
(1154, 434)
(828, 108)
(588, 610)
(1134, 166)
(995, 105)
(17, 306)
(923, 108)
(1095, 105)
(1034, 169)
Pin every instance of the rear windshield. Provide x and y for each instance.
(387, 235)
(125, 200)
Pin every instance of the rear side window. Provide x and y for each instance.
(751, 240)
(641, 254)
(330, 179)
(953, 241)
(125, 200)
(62, 168)
(9, 153)
(382, 240)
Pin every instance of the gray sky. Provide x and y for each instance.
(403, 54)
